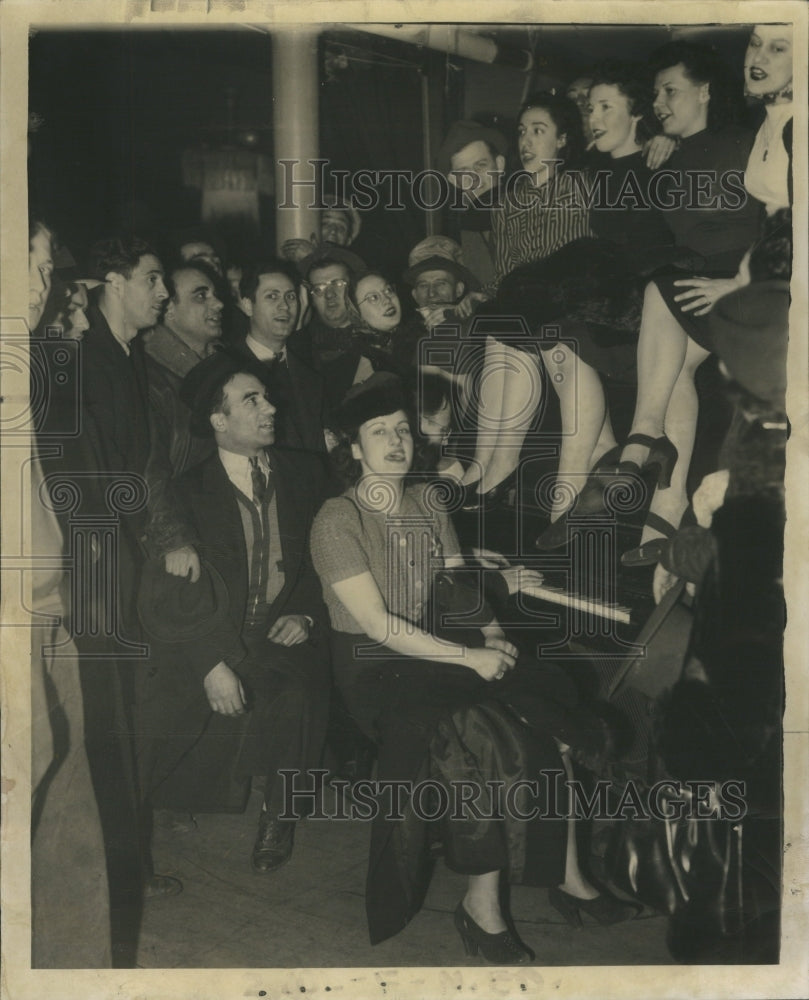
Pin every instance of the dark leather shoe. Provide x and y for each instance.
(273, 846)
(504, 948)
(160, 886)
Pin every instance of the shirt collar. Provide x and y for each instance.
(264, 353)
(239, 465)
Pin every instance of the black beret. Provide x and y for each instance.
(377, 396)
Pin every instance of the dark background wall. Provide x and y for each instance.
(120, 106)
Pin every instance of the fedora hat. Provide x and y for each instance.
(172, 609)
(750, 332)
(437, 263)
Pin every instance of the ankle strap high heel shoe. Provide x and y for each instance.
(662, 457)
(499, 949)
(651, 552)
(604, 909)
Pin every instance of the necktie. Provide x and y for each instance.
(259, 481)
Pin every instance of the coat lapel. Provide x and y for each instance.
(291, 508)
(220, 527)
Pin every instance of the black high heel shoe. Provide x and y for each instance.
(662, 457)
(495, 497)
(650, 553)
(592, 501)
(555, 535)
(499, 949)
(604, 909)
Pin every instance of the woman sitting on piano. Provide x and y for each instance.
(451, 701)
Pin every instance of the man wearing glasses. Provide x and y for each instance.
(329, 341)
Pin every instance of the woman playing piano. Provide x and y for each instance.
(446, 703)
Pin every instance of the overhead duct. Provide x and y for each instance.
(456, 41)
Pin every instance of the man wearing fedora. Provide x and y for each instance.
(239, 683)
(438, 284)
(473, 157)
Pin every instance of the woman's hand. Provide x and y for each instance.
(489, 559)
(658, 150)
(518, 577)
(491, 663)
(501, 642)
(704, 293)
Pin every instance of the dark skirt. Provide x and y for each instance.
(589, 280)
(442, 721)
(698, 328)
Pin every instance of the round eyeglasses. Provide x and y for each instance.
(388, 292)
(320, 289)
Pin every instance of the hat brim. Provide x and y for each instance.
(458, 271)
(163, 602)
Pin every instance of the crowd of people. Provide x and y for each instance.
(258, 451)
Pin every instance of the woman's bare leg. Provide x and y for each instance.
(585, 425)
(681, 428)
(490, 408)
(522, 392)
(575, 882)
(661, 354)
(482, 902)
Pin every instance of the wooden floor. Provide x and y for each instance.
(311, 913)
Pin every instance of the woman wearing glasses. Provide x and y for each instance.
(382, 338)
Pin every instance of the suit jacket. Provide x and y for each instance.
(115, 401)
(115, 392)
(195, 759)
(173, 447)
(299, 394)
(206, 496)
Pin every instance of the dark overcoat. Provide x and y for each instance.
(193, 758)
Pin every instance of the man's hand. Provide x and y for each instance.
(469, 304)
(289, 630)
(298, 250)
(709, 496)
(181, 562)
(224, 690)
(434, 316)
(658, 150)
(662, 582)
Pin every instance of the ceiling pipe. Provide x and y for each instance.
(455, 41)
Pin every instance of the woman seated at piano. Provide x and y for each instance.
(453, 702)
